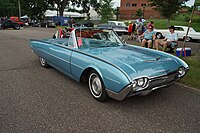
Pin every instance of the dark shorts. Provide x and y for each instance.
(171, 44)
(148, 39)
(129, 33)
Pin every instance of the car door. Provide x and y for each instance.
(61, 55)
(180, 31)
(7, 24)
(61, 58)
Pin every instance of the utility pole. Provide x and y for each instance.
(19, 8)
(189, 25)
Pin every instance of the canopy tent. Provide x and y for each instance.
(50, 13)
(25, 16)
(72, 14)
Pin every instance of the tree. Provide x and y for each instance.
(85, 4)
(61, 4)
(33, 8)
(8, 8)
(167, 7)
(139, 12)
(106, 10)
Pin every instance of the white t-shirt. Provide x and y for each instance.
(172, 37)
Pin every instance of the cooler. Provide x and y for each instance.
(187, 51)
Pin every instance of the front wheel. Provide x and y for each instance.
(96, 87)
(43, 62)
(17, 27)
(188, 39)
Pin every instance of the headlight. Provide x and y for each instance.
(181, 72)
(134, 83)
(140, 82)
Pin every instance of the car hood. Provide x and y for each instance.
(194, 33)
(136, 61)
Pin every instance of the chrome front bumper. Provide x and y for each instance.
(154, 83)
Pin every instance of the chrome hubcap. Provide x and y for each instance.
(42, 60)
(187, 39)
(95, 85)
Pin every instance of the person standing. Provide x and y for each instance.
(140, 25)
(71, 21)
(130, 28)
(133, 31)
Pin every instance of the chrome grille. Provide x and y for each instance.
(162, 81)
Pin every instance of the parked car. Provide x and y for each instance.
(118, 26)
(34, 23)
(9, 24)
(111, 68)
(47, 23)
(85, 24)
(17, 20)
(182, 30)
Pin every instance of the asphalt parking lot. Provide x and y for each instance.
(35, 99)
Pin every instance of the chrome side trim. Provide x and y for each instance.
(55, 56)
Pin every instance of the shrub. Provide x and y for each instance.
(196, 19)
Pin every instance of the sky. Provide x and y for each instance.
(117, 3)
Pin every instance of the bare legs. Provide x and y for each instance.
(144, 41)
(161, 42)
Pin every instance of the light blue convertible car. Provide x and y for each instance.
(110, 67)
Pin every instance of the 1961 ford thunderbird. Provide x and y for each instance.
(110, 67)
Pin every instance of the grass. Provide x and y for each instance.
(192, 78)
(162, 24)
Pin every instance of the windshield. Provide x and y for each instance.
(192, 30)
(96, 38)
(121, 24)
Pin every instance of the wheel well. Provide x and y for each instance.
(85, 75)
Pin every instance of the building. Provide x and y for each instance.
(128, 9)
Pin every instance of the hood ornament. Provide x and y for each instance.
(158, 58)
(153, 60)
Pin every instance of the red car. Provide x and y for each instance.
(16, 20)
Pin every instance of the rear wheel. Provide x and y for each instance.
(17, 27)
(188, 39)
(96, 87)
(43, 62)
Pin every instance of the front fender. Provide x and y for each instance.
(113, 77)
